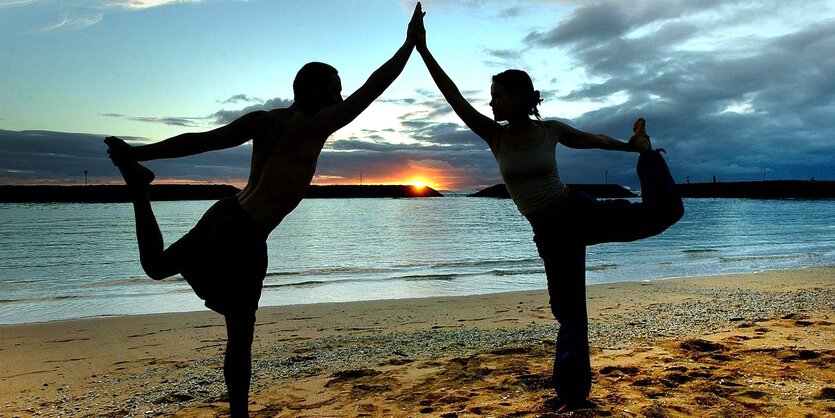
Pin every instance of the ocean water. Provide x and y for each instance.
(65, 261)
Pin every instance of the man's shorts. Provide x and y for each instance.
(224, 258)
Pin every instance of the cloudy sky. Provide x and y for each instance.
(743, 90)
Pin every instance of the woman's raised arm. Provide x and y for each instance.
(483, 126)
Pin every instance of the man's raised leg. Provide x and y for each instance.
(148, 235)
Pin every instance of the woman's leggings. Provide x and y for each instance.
(562, 240)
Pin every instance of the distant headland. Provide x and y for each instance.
(766, 189)
(162, 192)
(594, 190)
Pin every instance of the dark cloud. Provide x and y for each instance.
(510, 12)
(597, 22)
(58, 157)
(186, 122)
(172, 121)
(504, 58)
(505, 54)
(402, 101)
(746, 107)
(220, 117)
(223, 117)
(238, 98)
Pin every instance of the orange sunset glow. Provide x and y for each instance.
(418, 180)
(418, 184)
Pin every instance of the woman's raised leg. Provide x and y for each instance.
(660, 207)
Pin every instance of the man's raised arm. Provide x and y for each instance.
(235, 133)
(336, 116)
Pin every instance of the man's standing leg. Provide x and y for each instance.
(237, 365)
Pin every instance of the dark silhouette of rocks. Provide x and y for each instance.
(769, 189)
(594, 190)
(112, 193)
(774, 189)
(352, 191)
(162, 192)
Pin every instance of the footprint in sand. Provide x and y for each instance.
(826, 394)
(348, 375)
(612, 371)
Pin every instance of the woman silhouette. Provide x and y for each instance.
(564, 221)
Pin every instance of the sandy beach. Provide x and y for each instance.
(740, 345)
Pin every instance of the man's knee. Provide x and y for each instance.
(155, 269)
(240, 329)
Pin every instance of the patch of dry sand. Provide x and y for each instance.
(742, 345)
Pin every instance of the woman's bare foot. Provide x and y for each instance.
(640, 140)
(135, 174)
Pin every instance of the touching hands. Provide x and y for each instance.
(640, 140)
(416, 33)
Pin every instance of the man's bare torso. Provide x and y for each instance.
(283, 164)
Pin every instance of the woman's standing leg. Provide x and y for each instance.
(565, 261)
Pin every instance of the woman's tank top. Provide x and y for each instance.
(531, 176)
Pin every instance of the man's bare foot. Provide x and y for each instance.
(640, 140)
(135, 174)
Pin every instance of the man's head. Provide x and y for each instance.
(317, 85)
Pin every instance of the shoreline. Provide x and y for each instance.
(656, 346)
(108, 193)
(408, 299)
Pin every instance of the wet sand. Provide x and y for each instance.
(739, 345)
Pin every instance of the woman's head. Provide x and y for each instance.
(513, 95)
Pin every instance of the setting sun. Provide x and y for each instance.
(418, 184)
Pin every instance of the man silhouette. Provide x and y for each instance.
(224, 257)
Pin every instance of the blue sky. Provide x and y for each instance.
(744, 90)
